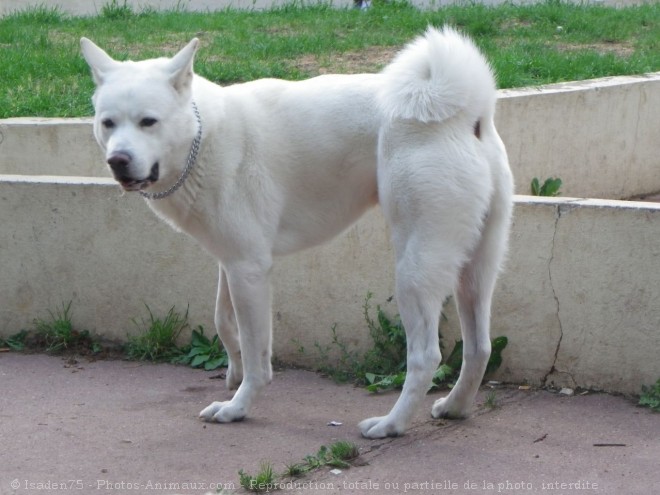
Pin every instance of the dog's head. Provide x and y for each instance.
(144, 121)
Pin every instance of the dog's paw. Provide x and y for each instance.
(380, 427)
(222, 412)
(446, 408)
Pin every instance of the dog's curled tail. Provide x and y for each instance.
(437, 76)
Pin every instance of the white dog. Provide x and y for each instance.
(266, 168)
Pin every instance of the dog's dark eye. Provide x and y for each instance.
(108, 123)
(147, 122)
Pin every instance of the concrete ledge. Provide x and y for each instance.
(598, 136)
(94, 7)
(38, 146)
(577, 300)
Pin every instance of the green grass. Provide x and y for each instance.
(43, 74)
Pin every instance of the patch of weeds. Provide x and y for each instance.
(15, 342)
(57, 334)
(650, 396)
(386, 357)
(264, 481)
(549, 188)
(389, 352)
(204, 352)
(337, 455)
(157, 339)
(491, 400)
(444, 375)
(383, 367)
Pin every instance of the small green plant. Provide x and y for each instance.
(264, 481)
(157, 338)
(348, 368)
(491, 400)
(550, 187)
(497, 345)
(650, 396)
(295, 470)
(58, 335)
(15, 342)
(204, 352)
(385, 382)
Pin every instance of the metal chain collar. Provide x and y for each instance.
(190, 163)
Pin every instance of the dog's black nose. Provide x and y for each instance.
(119, 163)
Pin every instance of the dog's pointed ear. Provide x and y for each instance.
(181, 66)
(100, 62)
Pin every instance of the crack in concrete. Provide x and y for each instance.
(554, 294)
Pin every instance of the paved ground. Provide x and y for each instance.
(124, 427)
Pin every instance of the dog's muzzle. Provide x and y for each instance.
(120, 165)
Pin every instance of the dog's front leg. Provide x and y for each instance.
(227, 328)
(249, 287)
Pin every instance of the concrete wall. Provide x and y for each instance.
(578, 299)
(599, 136)
(579, 294)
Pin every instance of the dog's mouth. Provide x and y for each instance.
(130, 184)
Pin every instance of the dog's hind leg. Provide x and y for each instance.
(473, 302)
(474, 295)
(434, 203)
(249, 287)
(431, 247)
(225, 323)
(419, 303)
